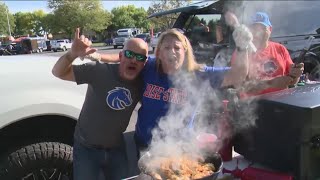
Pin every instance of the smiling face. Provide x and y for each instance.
(130, 67)
(171, 54)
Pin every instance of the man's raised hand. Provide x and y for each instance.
(81, 45)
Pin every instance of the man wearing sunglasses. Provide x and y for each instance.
(112, 94)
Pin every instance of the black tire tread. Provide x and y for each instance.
(35, 156)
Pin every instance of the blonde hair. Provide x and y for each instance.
(190, 63)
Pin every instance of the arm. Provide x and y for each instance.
(256, 86)
(240, 58)
(239, 70)
(110, 58)
(293, 70)
(63, 67)
(80, 47)
(106, 58)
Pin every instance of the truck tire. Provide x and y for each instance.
(41, 161)
(64, 48)
(55, 50)
(115, 47)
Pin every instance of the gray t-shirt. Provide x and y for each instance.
(108, 105)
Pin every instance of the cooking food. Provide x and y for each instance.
(182, 168)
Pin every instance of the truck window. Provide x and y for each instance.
(205, 28)
(288, 18)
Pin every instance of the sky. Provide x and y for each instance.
(29, 6)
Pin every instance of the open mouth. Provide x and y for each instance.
(173, 61)
(131, 68)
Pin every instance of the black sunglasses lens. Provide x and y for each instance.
(131, 54)
(140, 57)
(128, 54)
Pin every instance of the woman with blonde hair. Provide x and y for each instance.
(191, 64)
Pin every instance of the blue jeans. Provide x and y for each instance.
(99, 164)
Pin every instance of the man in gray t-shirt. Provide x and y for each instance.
(112, 94)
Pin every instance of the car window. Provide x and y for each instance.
(123, 31)
(125, 36)
(141, 35)
(288, 18)
(206, 28)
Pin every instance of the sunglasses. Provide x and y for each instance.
(139, 57)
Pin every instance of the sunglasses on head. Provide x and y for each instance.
(139, 57)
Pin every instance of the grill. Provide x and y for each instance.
(287, 133)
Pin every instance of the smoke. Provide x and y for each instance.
(191, 99)
(175, 135)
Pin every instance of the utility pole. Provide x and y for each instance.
(8, 22)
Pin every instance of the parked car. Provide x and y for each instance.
(154, 41)
(38, 113)
(61, 44)
(120, 40)
(291, 27)
(144, 36)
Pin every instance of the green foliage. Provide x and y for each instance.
(4, 29)
(129, 16)
(66, 15)
(167, 21)
(31, 23)
(70, 14)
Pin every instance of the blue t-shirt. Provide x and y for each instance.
(159, 94)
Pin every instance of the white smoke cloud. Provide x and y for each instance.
(173, 137)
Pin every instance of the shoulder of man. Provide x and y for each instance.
(277, 45)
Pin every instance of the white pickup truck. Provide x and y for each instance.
(154, 41)
(61, 44)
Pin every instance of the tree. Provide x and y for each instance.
(4, 29)
(30, 23)
(38, 17)
(129, 16)
(23, 22)
(70, 14)
(165, 22)
(49, 23)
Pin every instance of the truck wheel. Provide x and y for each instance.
(115, 47)
(64, 48)
(41, 161)
(55, 50)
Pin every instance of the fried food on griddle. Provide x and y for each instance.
(183, 168)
